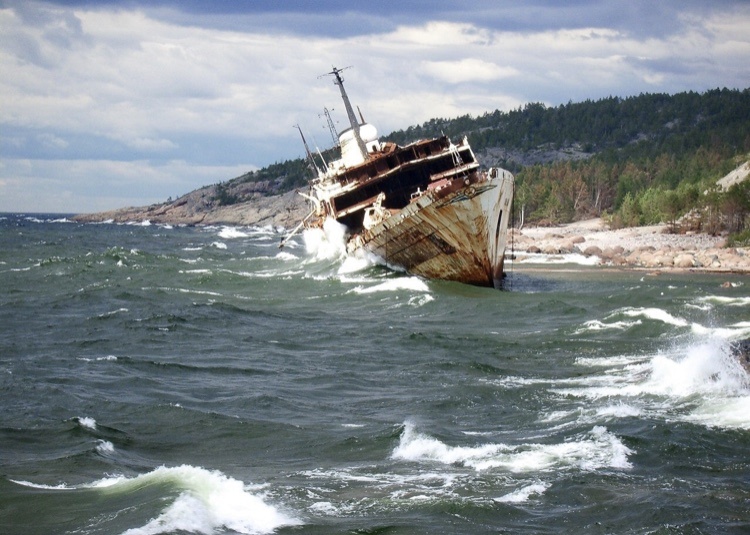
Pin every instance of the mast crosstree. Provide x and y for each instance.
(339, 81)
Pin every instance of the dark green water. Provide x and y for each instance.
(197, 380)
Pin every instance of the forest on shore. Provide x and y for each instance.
(636, 161)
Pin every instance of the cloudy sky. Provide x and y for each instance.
(105, 104)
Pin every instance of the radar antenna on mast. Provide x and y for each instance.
(339, 81)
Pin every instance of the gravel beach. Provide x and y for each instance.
(649, 247)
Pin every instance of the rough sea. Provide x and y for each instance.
(173, 380)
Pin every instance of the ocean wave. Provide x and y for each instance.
(655, 314)
(726, 301)
(86, 422)
(414, 284)
(701, 381)
(595, 450)
(598, 325)
(327, 243)
(207, 502)
(230, 233)
(524, 493)
(104, 447)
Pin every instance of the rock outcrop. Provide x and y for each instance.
(201, 208)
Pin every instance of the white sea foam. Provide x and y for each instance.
(286, 256)
(105, 447)
(61, 486)
(110, 358)
(618, 410)
(608, 362)
(414, 284)
(229, 233)
(182, 290)
(219, 245)
(597, 325)
(726, 301)
(420, 300)
(523, 494)
(703, 382)
(353, 264)
(594, 450)
(209, 502)
(731, 413)
(112, 313)
(656, 314)
(86, 422)
(328, 243)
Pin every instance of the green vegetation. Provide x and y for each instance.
(637, 160)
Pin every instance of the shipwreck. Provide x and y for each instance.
(426, 208)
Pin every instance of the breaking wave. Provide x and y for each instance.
(703, 382)
(208, 502)
(594, 450)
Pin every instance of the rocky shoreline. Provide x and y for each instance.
(651, 247)
(198, 208)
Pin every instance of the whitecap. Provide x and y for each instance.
(656, 314)
(209, 501)
(105, 447)
(608, 362)
(61, 486)
(702, 382)
(283, 255)
(229, 233)
(86, 422)
(112, 313)
(726, 301)
(594, 450)
(420, 300)
(324, 508)
(618, 410)
(523, 494)
(219, 245)
(598, 325)
(414, 284)
(732, 413)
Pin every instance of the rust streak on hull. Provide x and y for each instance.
(460, 237)
(426, 207)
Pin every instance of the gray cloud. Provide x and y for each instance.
(189, 93)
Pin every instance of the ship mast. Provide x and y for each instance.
(331, 127)
(339, 81)
(310, 160)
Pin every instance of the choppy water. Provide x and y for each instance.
(198, 380)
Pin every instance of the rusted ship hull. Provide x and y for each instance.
(425, 207)
(457, 232)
